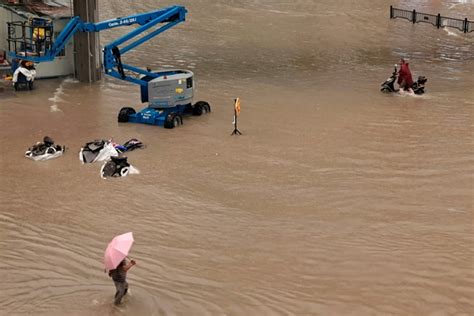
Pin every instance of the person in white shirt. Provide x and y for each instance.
(27, 69)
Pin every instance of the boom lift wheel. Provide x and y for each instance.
(178, 120)
(197, 109)
(124, 113)
(173, 120)
(206, 108)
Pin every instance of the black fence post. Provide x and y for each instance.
(465, 25)
(438, 20)
(391, 12)
(414, 16)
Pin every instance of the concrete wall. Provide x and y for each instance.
(5, 16)
(60, 66)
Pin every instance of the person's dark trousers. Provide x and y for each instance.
(122, 288)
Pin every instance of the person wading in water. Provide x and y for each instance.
(119, 275)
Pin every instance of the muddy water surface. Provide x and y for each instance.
(336, 200)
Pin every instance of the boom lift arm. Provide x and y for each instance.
(160, 20)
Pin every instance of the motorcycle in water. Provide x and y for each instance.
(389, 85)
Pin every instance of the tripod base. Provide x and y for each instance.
(236, 132)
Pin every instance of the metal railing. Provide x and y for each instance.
(470, 26)
(465, 25)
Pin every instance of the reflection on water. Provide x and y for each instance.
(336, 200)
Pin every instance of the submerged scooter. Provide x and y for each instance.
(389, 84)
(115, 167)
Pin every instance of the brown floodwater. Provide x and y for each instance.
(336, 200)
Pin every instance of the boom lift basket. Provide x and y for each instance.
(30, 38)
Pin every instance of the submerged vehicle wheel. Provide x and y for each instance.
(30, 85)
(124, 113)
(385, 90)
(51, 150)
(206, 108)
(108, 169)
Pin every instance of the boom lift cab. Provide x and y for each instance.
(171, 89)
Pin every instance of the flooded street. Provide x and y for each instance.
(336, 200)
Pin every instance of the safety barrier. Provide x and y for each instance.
(465, 25)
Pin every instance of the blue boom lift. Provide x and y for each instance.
(169, 93)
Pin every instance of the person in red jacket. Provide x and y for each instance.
(405, 79)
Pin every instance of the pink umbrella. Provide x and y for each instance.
(117, 250)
